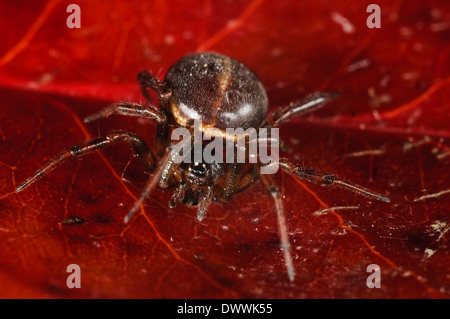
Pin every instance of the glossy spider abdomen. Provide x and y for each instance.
(216, 89)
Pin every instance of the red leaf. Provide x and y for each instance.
(389, 132)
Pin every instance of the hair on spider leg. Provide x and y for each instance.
(222, 93)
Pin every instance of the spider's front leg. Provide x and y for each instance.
(166, 168)
(137, 110)
(308, 104)
(148, 81)
(204, 203)
(144, 153)
(275, 192)
(128, 109)
(328, 180)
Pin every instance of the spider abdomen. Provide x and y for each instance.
(216, 89)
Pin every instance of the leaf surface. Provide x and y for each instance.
(388, 132)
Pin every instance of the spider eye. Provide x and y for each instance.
(198, 169)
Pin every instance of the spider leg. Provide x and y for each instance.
(275, 192)
(171, 171)
(141, 149)
(163, 171)
(178, 195)
(134, 109)
(151, 183)
(204, 203)
(247, 179)
(128, 109)
(148, 81)
(251, 176)
(231, 181)
(328, 180)
(166, 175)
(306, 105)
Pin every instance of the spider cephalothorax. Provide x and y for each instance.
(222, 93)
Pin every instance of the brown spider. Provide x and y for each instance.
(222, 93)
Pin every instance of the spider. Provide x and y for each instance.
(222, 93)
